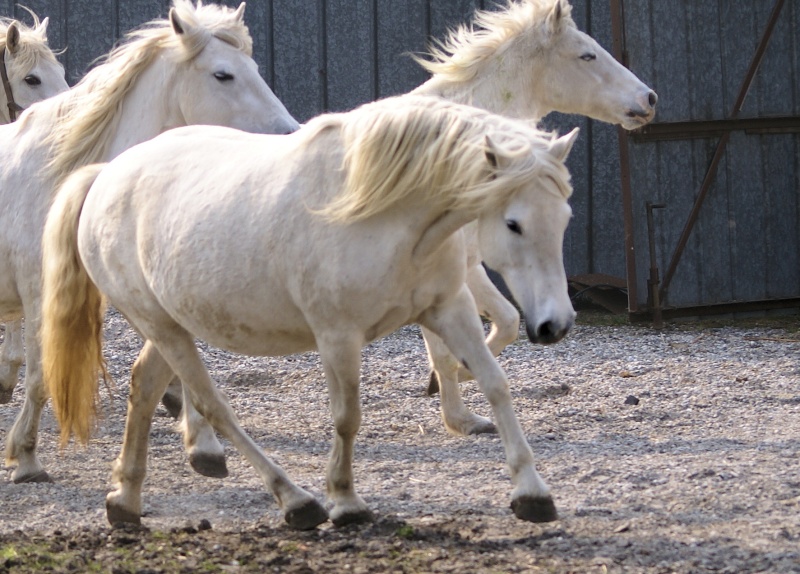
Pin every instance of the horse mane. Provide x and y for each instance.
(468, 48)
(33, 46)
(85, 116)
(436, 151)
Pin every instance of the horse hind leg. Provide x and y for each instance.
(149, 374)
(12, 353)
(301, 509)
(457, 418)
(22, 439)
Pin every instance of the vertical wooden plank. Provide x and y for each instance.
(134, 13)
(298, 57)
(402, 28)
(446, 15)
(608, 229)
(774, 95)
(259, 18)
(351, 46)
(90, 32)
(643, 157)
(706, 103)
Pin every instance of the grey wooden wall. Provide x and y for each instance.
(335, 54)
(746, 245)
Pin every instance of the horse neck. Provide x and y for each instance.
(148, 109)
(495, 90)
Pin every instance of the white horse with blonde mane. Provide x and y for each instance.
(523, 62)
(372, 203)
(193, 68)
(29, 73)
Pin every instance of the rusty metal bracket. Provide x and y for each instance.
(652, 283)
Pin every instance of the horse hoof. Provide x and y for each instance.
(487, 427)
(40, 476)
(535, 509)
(306, 517)
(211, 465)
(433, 384)
(118, 515)
(172, 405)
(5, 395)
(357, 517)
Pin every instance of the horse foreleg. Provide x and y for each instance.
(301, 509)
(341, 360)
(12, 352)
(149, 377)
(22, 439)
(457, 418)
(492, 305)
(457, 323)
(206, 454)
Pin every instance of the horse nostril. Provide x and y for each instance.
(546, 331)
(653, 99)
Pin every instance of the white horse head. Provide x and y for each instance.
(529, 60)
(523, 239)
(222, 86)
(194, 68)
(32, 70)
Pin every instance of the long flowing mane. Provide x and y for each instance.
(86, 114)
(33, 46)
(468, 48)
(435, 151)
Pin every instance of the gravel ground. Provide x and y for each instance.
(701, 475)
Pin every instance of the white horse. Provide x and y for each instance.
(524, 62)
(29, 73)
(193, 68)
(371, 202)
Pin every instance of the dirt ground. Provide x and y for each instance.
(666, 451)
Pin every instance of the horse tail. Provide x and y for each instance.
(72, 314)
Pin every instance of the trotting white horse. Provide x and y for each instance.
(372, 203)
(29, 73)
(524, 62)
(193, 68)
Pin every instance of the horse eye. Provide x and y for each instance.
(588, 57)
(513, 226)
(223, 76)
(32, 80)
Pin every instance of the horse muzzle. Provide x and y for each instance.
(549, 331)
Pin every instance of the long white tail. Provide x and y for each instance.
(72, 314)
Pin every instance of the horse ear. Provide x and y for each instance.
(12, 38)
(491, 156)
(239, 14)
(43, 26)
(555, 19)
(176, 22)
(561, 147)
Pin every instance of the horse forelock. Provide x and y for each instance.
(82, 129)
(33, 47)
(468, 48)
(435, 150)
